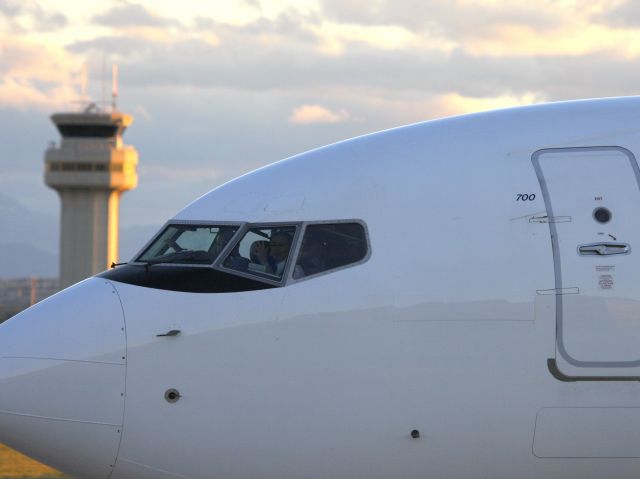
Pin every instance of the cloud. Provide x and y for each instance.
(33, 74)
(10, 8)
(27, 15)
(625, 15)
(477, 49)
(289, 52)
(33, 71)
(294, 66)
(253, 3)
(495, 27)
(306, 114)
(449, 18)
(131, 14)
(455, 104)
(289, 26)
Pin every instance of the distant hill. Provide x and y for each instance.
(25, 226)
(29, 241)
(19, 260)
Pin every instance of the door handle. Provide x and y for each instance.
(173, 332)
(603, 249)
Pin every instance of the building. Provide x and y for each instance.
(17, 294)
(90, 170)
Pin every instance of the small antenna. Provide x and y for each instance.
(104, 86)
(114, 86)
(84, 79)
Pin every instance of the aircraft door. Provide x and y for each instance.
(592, 200)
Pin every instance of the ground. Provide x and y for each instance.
(16, 466)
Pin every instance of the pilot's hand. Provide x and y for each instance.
(261, 251)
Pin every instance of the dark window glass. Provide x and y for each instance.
(262, 252)
(188, 244)
(330, 246)
(88, 131)
(64, 166)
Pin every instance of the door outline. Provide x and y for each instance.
(535, 158)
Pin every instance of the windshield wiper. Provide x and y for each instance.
(150, 263)
(199, 256)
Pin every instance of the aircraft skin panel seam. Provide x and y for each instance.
(62, 419)
(570, 433)
(124, 392)
(81, 361)
(155, 469)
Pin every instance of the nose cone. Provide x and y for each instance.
(62, 379)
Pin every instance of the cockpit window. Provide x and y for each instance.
(188, 244)
(328, 246)
(262, 252)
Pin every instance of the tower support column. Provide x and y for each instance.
(89, 230)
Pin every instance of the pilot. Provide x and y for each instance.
(273, 255)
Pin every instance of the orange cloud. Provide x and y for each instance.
(306, 114)
(37, 75)
(455, 104)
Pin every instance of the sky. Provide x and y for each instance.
(218, 88)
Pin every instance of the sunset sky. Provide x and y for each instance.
(218, 88)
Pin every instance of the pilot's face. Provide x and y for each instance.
(280, 245)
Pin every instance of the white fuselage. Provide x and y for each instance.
(476, 320)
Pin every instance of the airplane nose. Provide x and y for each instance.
(62, 379)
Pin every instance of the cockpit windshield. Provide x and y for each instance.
(188, 244)
(263, 252)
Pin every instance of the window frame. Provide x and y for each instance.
(365, 258)
(217, 264)
(239, 224)
(243, 228)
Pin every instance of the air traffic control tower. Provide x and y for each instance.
(90, 169)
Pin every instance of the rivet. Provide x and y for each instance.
(415, 434)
